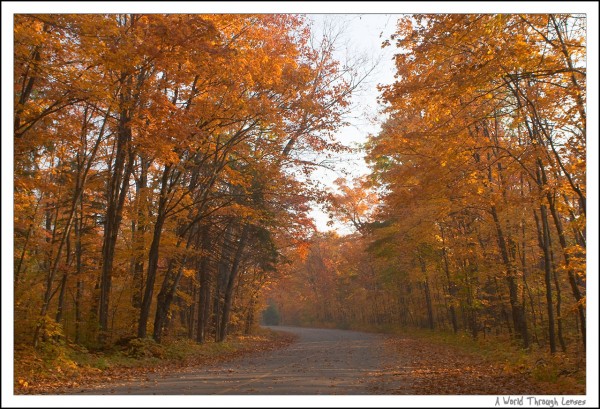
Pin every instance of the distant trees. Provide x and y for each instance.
(271, 315)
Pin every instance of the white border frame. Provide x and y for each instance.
(11, 8)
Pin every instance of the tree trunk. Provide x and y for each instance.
(153, 256)
(63, 283)
(78, 272)
(451, 286)
(232, 276)
(117, 190)
(544, 239)
(518, 315)
(571, 274)
(221, 278)
(138, 235)
(204, 300)
(61, 298)
(167, 294)
(559, 319)
(49, 266)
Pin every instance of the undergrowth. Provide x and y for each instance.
(58, 364)
(563, 369)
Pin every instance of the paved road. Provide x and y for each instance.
(321, 361)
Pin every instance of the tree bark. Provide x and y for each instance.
(571, 274)
(426, 290)
(153, 256)
(118, 186)
(544, 242)
(232, 277)
(451, 286)
(203, 279)
(167, 294)
(138, 235)
(517, 309)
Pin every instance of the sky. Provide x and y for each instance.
(361, 35)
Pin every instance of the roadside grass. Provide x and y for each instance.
(57, 365)
(561, 371)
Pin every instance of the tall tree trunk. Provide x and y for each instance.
(544, 242)
(220, 279)
(516, 307)
(426, 290)
(118, 186)
(471, 313)
(559, 319)
(63, 283)
(78, 273)
(451, 286)
(138, 234)
(167, 294)
(192, 320)
(204, 300)
(153, 255)
(51, 270)
(232, 277)
(571, 274)
(550, 197)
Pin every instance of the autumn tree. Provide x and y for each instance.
(478, 223)
(155, 162)
(474, 130)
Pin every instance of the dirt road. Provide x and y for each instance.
(322, 361)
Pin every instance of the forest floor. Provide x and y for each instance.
(451, 364)
(56, 368)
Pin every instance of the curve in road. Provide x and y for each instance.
(321, 361)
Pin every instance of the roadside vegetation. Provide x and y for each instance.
(58, 366)
(447, 363)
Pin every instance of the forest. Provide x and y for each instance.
(473, 218)
(160, 179)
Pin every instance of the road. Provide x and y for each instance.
(321, 361)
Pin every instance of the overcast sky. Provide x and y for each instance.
(362, 35)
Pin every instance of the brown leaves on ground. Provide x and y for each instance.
(428, 368)
(32, 377)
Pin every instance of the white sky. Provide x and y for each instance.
(363, 33)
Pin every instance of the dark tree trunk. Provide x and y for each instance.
(153, 256)
(167, 294)
(571, 274)
(559, 320)
(544, 240)
(117, 190)
(503, 311)
(138, 235)
(78, 272)
(61, 298)
(518, 315)
(451, 286)
(63, 283)
(204, 300)
(220, 280)
(232, 277)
